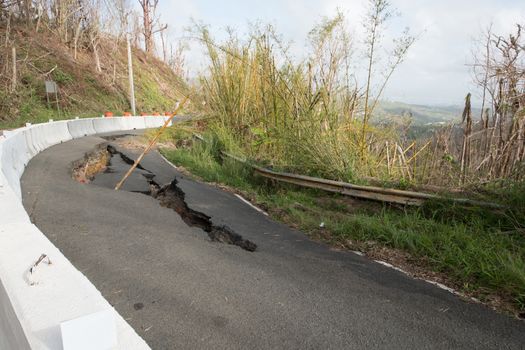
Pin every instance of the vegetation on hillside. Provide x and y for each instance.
(419, 114)
(72, 45)
(308, 117)
(314, 117)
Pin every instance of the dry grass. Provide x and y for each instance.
(308, 118)
(302, 117)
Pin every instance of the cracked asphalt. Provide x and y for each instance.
(178, 289)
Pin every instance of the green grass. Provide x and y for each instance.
(202, 162)
(480, 251)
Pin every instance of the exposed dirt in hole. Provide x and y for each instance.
(169, 196)
(93, 163)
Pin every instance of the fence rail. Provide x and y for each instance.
(387, 195)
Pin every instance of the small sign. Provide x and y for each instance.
(51, 87)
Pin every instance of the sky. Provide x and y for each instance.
(435, 71)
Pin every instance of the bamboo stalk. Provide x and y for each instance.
(387, 158)
(151, 144)
(419, 151)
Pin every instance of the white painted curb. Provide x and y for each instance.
(33, 306)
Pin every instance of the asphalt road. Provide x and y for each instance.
(179, 290)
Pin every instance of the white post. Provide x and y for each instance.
(13, 82)
(131, 84)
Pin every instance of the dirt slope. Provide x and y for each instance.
(82, 90)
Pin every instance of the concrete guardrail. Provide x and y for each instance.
(52, 305)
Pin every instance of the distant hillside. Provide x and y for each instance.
(82, 90)
(421, 114)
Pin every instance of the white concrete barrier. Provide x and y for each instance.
(15, 156)
(54, 293)
(154, 121)
(32, 308)
(111, 124)
(31, 146)
(35, 139)
(103, 125)
(134, 123)
(10, 206)
(49, 134)
(12, 335)
(81, 127)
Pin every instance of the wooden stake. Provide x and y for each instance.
(151, 144)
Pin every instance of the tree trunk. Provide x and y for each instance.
(148, 30)
(77, 36)
(97, 58)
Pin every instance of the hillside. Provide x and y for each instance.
(421, 114)
(85, 92)
(82, 90)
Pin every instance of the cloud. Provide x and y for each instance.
(435, 70)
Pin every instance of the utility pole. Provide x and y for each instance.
(14, 81)
(131, 84)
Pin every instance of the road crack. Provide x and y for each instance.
(169, 196)
(172, 196)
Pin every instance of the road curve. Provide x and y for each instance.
(178, 289)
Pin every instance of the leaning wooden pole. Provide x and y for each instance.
(151, 143)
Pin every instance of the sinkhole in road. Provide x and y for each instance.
(110, 165)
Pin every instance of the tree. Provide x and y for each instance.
(151, 24)
(379, 12)
(494, 147)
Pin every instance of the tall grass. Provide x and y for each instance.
(304, 117)
(313, 117)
